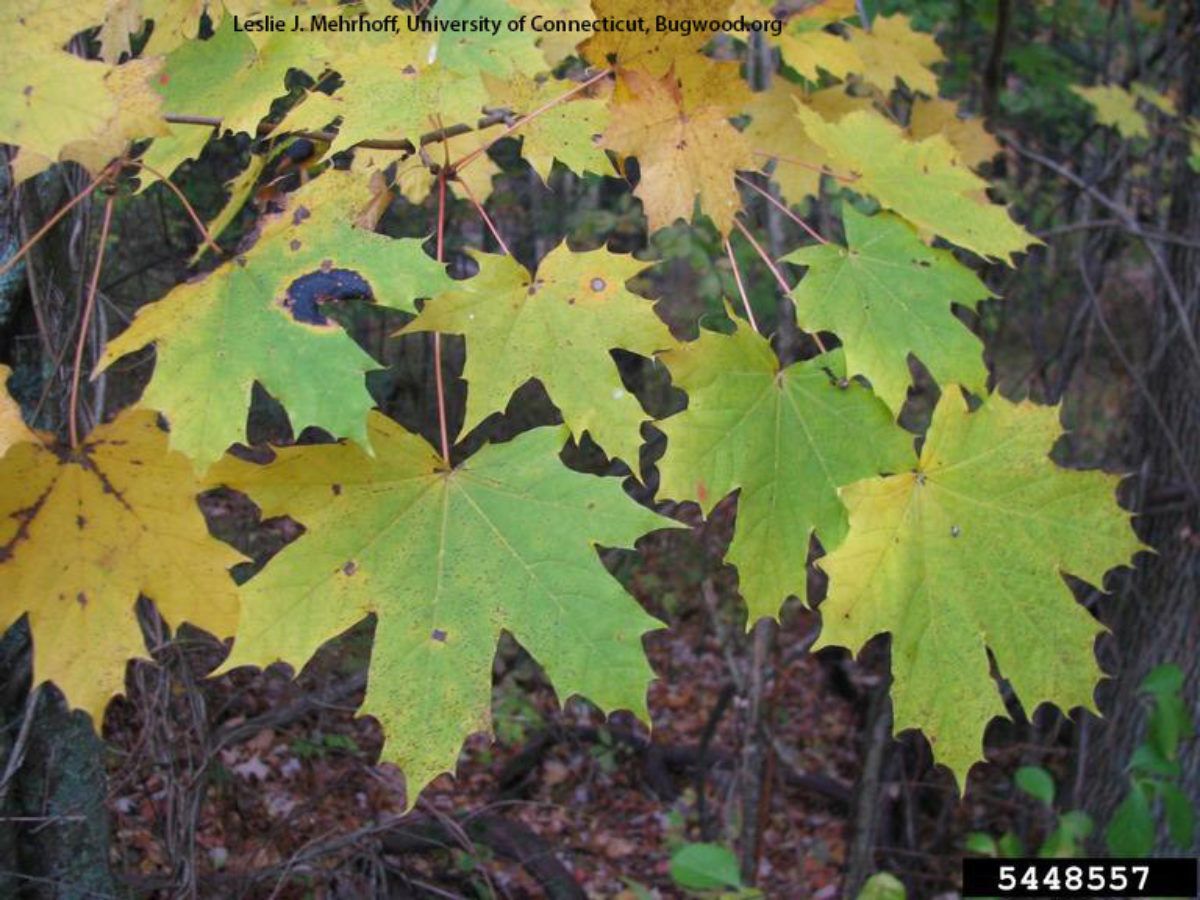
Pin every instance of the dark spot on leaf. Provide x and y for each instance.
(241, 261)
(571, 301)
(337, 490)
(306, 294)
(295, 244)
(28, 92)
(598, 285)
(439, 635)
(955, 531)
(80, 522)
(924, 263)
(300, 215)
(349, 568)
(327, 265)
(81, 599)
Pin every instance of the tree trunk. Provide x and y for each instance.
(1155, 618)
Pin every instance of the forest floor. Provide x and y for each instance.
(254, 784)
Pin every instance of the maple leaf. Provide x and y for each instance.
(228, 77)
(787, 438)
(682, 154)
(218, 335)
(970, 139)
(557, 45)
(966, 554)
(138, 115)
(568, 131)
(775, 134)
(13, 429)
(809, 49)
(892, 51)
(887, 295)
(49, 97)
(391, 92)
(558, 326)
(922, 181)
(504, 54)
(84, 532)
(1115, 107)
(651, 52)
(446, 560)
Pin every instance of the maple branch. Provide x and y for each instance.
(783, 208)
(89, 305)
(437, 337)
(787, 290)
(54, 219)
(545, 107)
(849, 179)
(737, 277)
(487, 220)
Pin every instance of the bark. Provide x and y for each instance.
(1155, 618)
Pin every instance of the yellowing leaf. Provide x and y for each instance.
(788, 439)
(1157, 99)
(216, 336)
(446, 560)
(83, 533)
(888, 295)
(48, 97)
(557, 45)
(922, 181)
(569, 131)
(240, 188)
(810, 50)
(892, 51)
(974, 144)
(1115, 107)
(682, 155)
(967, 554)
(557, 326)
(651, 52)
(13, 429)
(775, 133)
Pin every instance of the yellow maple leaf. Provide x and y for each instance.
(83, 532)
(13, 429)
(893, 51)
(974, 143)
(1115, 107)
(647, 49)
(682, 155)
(811, 50)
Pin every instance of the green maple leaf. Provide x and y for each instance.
(888, 295)
(966, 554)
(391, 92)
(508, 52)
(923, 181)
(48, 97)
(215, 337)
(787, 438)
(446, 560)
(557, 326)
(228, 77)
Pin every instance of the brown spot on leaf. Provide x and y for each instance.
(28, 92)
(80, 522)
(350, 568)
(701, 492)
(295, 244)
(337, 490)
(598, 285)
(439, 635)
(300, 215)
(81, 599)
(326, 265)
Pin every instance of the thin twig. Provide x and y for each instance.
(437, 338)
(93, 287)
(487, 220)
(783, 208)
(784, 286)
(792, 161)
(54, 219)
(737, 277)
(207, 238)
